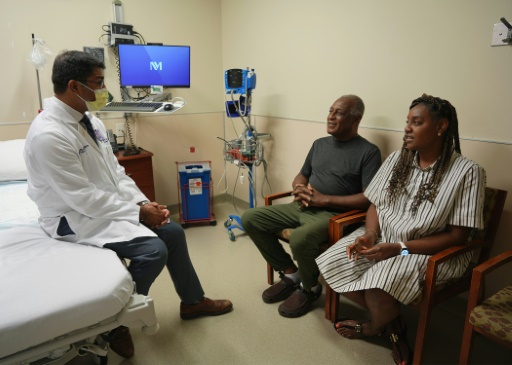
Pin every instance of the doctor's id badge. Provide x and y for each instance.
(195, 186)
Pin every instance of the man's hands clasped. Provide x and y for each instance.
(308, 196)
(154, 215)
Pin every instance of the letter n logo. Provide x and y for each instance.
(155, 66)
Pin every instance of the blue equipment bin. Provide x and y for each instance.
(195, 190)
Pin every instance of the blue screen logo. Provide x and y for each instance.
(157, 66)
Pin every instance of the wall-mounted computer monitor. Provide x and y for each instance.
(143, 65)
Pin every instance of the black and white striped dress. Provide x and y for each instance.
(459, 202)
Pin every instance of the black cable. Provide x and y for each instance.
(138, 35)
(265, 178)
(234, 190)
(131, 149)
(250, 177)
(118, 67)
(141, 40)
(101, 36)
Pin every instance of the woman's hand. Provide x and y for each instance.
(381, 251)
(361, 244)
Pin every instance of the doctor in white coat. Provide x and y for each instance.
(84, 195)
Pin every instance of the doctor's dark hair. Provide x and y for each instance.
(72, 65)
(439, 109)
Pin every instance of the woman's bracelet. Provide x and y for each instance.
(374, 231)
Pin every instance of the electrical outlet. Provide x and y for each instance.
(120, 129)
(499, 32)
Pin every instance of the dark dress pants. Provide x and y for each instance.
(149, 255)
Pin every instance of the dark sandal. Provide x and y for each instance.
(401, 352)
(358, 328)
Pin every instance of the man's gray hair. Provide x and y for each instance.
(357, 108)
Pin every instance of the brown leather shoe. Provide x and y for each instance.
(121, 342)
(299, 303)
(206, 307)
(280, 290)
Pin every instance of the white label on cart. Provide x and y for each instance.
(195, 186)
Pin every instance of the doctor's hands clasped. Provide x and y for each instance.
(153, 214)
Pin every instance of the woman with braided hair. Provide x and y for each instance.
(425, 198)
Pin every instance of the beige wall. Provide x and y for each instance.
(306, 54)
(72, 24)
(170, 139)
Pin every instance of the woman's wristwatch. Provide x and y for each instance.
(404, 250)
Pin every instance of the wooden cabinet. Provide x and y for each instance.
(140, 169)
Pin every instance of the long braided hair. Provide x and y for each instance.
(439, 108)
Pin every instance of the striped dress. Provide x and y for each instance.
(459, 202)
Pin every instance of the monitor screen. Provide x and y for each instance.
(143, 65)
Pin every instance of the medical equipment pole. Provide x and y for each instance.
(244, 150)
(252, 185)
(38, 82)
(234, 221)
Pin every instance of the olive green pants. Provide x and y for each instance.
(310, 225)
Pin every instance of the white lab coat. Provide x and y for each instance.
(71, 176)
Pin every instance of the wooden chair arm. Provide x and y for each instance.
(476, 291)
(454, 251)
(338, 222)
(271, 197)
(440, 257)
(494, 263)
(350, 217)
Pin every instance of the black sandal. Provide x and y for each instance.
(401, 352)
